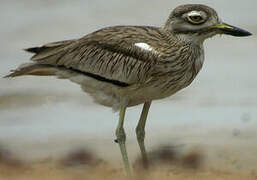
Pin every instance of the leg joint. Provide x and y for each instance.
(140, 133)
(121, 135)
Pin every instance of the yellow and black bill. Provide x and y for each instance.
(231, 30)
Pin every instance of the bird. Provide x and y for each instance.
(124, 66)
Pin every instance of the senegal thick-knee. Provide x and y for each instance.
(124, 66)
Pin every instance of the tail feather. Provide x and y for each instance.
(48, 50)
(44, 52)
(33, 69)
(35, 49)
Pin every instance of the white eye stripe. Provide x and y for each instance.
(194, 13)
(144, 46)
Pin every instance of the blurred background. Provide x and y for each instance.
(44, 117)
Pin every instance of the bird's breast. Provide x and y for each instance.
(177, 71)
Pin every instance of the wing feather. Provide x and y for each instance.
(110, 53)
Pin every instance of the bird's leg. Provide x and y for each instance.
(121, 139)
(140, 131)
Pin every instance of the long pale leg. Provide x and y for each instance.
(140, 131)
(121, 139)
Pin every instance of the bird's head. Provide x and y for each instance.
(200, 21)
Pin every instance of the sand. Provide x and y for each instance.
(46, 171)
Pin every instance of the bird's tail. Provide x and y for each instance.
(33, 69)
(41, 53)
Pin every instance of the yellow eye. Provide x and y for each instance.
(195, 19)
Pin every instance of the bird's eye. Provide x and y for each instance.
(195, 19)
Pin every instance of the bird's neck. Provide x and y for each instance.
(191, 38)
(196, 47)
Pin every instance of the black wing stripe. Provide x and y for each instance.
(99, 78)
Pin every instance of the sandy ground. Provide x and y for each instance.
(228, 157)
(44, 172)
(49, 170)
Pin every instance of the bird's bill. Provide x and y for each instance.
(231, 30)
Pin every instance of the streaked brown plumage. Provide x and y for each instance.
(110, 53)
(125, 66)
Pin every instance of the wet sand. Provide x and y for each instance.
(43, 172)
(220, 154)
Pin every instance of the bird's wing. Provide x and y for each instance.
(109, 53)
